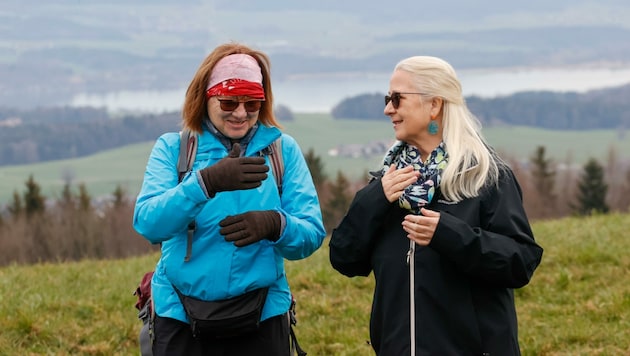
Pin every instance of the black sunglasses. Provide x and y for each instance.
(231, 105)
(395, 98)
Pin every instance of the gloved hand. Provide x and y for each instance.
(252, 226)
(234, 172)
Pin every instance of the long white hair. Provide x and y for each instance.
(471, 162)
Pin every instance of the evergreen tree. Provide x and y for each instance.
(337, 204)
(85, 200)
(591, 195)
(16, 208)
(67, 200)
(316, 166)
(119, 197)
(34, 201)
(544, 176)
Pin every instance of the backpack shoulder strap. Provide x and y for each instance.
(277, 162)
(185, 161)
(187, 152)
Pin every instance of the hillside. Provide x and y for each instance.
(54, 133)
(578, 302)
(103, 171)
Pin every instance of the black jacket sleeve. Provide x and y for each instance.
(351, 242)
(500, 250)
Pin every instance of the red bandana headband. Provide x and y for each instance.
(236, 87)
(236, 75)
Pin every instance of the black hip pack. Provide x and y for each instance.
(225, 318)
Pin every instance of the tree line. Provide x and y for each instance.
(45, 134)
(598, 109)
(34, 228)
(72, 133)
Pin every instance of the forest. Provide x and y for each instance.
(35, 228)
(597, 109)
(43, 134)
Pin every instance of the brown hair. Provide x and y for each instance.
(195, 104)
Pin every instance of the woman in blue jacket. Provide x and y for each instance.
(441, 226)
(244, 227)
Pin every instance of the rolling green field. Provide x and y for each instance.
(124, 166)
(578, 302)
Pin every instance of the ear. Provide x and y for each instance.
(436, 106)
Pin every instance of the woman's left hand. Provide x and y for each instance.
(420, 228)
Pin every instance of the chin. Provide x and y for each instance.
(400, 137)
(237, 135)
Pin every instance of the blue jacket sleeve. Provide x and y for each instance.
(304, 231)
(164, 207)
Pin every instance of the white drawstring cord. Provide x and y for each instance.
(412, 305)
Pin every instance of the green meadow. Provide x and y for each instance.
(124, 166)
(578, 302)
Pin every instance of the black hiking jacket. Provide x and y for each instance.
(483, 247)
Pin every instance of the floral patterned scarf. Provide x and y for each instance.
(420, 193)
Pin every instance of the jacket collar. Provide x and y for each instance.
(261, 137)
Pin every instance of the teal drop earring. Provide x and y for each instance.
(433, 126)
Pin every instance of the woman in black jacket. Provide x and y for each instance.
(442, 224)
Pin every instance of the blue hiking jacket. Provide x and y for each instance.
(217, 269)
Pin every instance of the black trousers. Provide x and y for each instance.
(173, 337)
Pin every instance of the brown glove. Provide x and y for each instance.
(234, 173)
(252, 226)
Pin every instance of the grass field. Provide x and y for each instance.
(124, 166)
(578, 302)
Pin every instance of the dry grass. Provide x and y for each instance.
(578, 302)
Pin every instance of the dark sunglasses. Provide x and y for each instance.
(231, 105)
(395, 98)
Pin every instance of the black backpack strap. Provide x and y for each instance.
(185, 161)
(187, 152)
(295, 346)
(277, 162)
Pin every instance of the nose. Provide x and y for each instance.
(240, 110)
(389, 109)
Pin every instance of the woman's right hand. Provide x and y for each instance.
(395, 181)
(234, 173)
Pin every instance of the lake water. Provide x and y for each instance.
(322, 92)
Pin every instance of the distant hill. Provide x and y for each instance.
(598, 109)
(46, 134)
(60, 48)
(343, 145)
